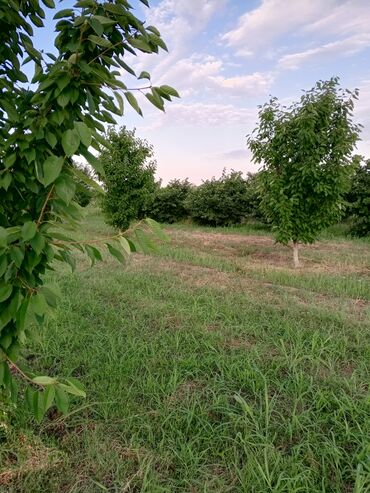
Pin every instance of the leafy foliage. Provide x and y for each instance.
(220, 202)
(359, 197)
(128, 177)
(84, 191)
(306, 155)
(41, 127)
(169, 202)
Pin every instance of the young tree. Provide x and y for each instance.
(73, 93)
(306, 153)
(128, 177)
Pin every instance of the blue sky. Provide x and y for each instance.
(226, 57)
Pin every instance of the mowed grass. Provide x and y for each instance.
(210, 366)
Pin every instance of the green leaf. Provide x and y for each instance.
(3, 237)
(104, 21)
(91, 183)
(49, 3)
(5, 181)
(84, 133)
(125, 245)
(44, 380)
(38, 406)
(5, 291)
(154, 30)
(51, 169)
(38, 304)
(61, 399)
(144, 75)
(65, 189)
(95, 24)
(49, 395)
(94, 161)
(140, 44)
(63, 13)
(63, 99)
(28, 230)
(38, 243)
(75, 387)
(17, 255)
(51, 295)
(51, 139)
(9, 160)
(133, 102)
(116, 253)
(170, 91)
(155, 100)
(70, 141)
(93, 253)
(105, 43)
(157, 229)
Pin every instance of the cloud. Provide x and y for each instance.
(206, 114)
(235, 154)
(251, 84)
(349, 17)
(259, 28)
(344, 47)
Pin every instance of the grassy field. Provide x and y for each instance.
(211, 366)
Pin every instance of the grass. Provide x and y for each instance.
(211, 366)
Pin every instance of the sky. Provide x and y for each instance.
(225, 58)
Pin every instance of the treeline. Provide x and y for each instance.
(232, 199)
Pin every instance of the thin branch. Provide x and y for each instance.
(39, 221)
(18, 370)
(99, 240)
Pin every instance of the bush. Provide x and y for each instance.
(129, 177)
(223, 202)
(169, 202)
(359, 198)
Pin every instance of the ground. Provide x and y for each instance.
(210, 366)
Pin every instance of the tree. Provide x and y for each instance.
(306, 152)
(128, 177)
(359, 197)
(169, 202)
(84, 192)
(62, 114)
(220, 202)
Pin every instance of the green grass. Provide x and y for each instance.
(211, 366)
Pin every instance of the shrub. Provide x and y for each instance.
(169, 202)
(220, 202)
(129, 177)
(360, 199)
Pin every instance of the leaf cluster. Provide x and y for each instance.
(306, 156)
(128, 178)
(169, 202)
(63, 113)
(222, 202)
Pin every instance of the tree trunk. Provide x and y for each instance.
(295, 254)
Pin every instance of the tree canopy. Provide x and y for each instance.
(129, 180)
(306, 155)
(74, 92)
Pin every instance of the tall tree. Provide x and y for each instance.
(60, 115)
(306, 155)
